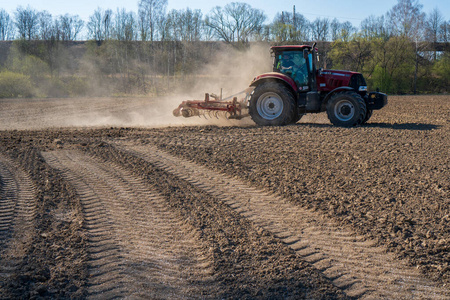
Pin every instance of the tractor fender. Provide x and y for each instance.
(274, 76)
(336, 90)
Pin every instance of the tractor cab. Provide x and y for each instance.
(298, 63)
(294, 65)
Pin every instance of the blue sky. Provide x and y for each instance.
(344, 10)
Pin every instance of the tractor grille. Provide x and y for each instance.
(356, 81)
(333, 83)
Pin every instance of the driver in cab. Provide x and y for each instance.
(285, 63)
(293, 65)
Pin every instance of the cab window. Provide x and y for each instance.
(293, 64)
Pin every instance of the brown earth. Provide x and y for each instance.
(307, 211)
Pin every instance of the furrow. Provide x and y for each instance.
(8, 200)
(136, 243)
(351, 262)
(105, 276)
(17, 214)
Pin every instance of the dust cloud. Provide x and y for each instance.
(229, 73)
(233, 70)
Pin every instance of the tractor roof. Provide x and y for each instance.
(290, 48)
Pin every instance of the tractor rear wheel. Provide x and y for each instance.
(346, 109)
(272, 104)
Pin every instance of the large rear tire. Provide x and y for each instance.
(346, 109)
(272, 104)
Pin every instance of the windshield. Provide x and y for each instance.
(293, 64)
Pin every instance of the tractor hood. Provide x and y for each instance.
(328, 80)
(337, 73)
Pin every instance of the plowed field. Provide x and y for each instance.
(157, 208)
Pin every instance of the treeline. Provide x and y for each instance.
(236, 22)
(148, 51)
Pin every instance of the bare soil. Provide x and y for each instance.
(307, 211)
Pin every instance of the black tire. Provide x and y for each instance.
(368, 115)
(272, 104)
(346, 109)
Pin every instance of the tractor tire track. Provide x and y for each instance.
(17, 216)
(353, 263)
(137, 247)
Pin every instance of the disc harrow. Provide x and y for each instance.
(214, 106)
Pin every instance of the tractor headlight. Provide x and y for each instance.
(363, 88)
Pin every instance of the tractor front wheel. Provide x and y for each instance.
(272, 104)
(346, 109)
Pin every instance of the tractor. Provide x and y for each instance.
(295, 87)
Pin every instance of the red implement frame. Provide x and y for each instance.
(190, 108)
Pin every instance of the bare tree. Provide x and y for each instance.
(219, 22)
(320, 29)
(236, 22)
(280, 28)
(47, 29)
(150, 13)
(432, 26)
(347, 30)
(192, 25)
(125, 26)
(6, 26)
(107, 23)
(95, 25)
(444, 32)
(341, 31)
(171, 28)
(406, 18)
(70, 27)
(300, 26)
(185, 25)
(374, 27)
(164, 27)
(99, 25)
(289, 26)
(335, 28)
(27, 22)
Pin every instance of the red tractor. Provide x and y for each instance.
(294, 88)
